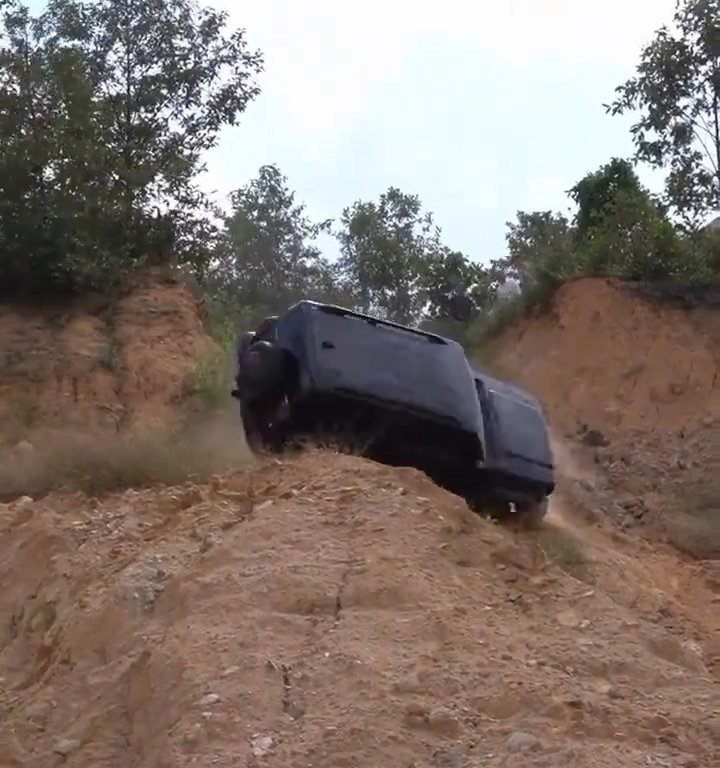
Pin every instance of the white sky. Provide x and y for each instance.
(482, 108)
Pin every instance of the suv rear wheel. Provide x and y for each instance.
(263, 371)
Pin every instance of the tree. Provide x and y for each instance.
(31, 231)
(384, 246)
(596, 191)
(116, 101)
(632, 238)
(676, 90)
(268, 257)
(620, 228)
(455, 287)
(540, 250)
(393, 260)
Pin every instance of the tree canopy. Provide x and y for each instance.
(676, 95)
(108, 109)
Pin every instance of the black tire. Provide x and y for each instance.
(264, 371)
(487, 506)
(253, 432)
(260, 435)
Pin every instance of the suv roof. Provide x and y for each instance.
(337, 310)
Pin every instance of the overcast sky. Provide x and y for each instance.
(482, 108)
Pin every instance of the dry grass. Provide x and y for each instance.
(102, 464)
(562, 548)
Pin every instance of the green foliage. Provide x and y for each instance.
(454, 286)
(211, 376)
(393, 262)
(634, 240)
(676, 91)
(385, 249)
(704, 247)
(267, 257)
(505, 312)
(597, 192)
(106, 110)
(562, 548)
(619, 230)
(540, 249)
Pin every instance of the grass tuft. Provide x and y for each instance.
(562, 548)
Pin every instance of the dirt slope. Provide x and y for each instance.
(636, 378)
(326, 611)
(617, 359)
(96, 366)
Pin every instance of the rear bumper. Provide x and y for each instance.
(518, 491)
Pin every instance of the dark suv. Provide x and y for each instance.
(401, 396)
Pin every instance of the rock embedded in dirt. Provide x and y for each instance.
(510, 575)
(65, 747)
(444, 722)
(410, 683)
(261, 745)
(449, 757)
(519, 556)
(190, 497)
(520, 742)
(569, 619)
(211, 541)
(24, 448)
(593, 438)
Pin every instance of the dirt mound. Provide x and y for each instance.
(614, 357)
(327, 611)
(633, 377)
(98, 367)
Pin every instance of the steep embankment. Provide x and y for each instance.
(327, 611)
(617, 358)
(634, 377)
(98, 367)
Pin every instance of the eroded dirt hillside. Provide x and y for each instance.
(634, 376)
(326, 611)
(613, 357)
(98, 367)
